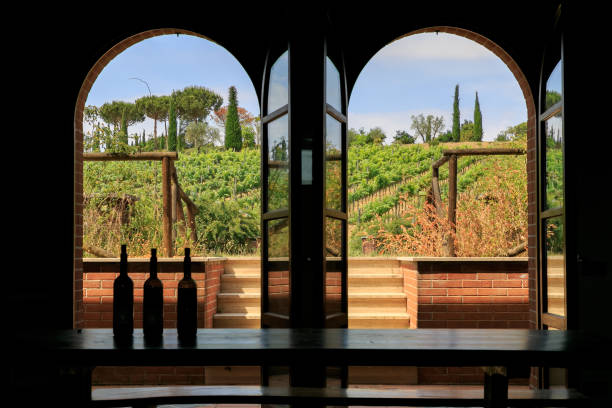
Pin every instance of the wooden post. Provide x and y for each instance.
(452, 202)
(167, 206)
(175, 203)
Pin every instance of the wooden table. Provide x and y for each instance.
(82, 350)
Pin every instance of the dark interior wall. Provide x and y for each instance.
(48, 54)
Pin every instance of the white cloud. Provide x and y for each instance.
(429, 46)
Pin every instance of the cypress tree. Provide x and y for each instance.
(172, 127)
(233, 132)
(456, 120)
(123, 133)
(477, 121)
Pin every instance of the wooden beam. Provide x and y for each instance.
(482, 151)
(452, 203)
(167, 206)
(440, 162)
(130, 156)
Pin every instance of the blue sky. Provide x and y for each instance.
(413, 75)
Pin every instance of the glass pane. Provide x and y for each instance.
(554, 88)
(278, 240)
(554, 162)
(333, 256)
(278, 165)
(332, 86)
(333, 171)
(278, 90)
(555, 271)
(278, 278)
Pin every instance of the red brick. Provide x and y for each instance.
(462, 276)
(518, 292)
(462, 308)
(522, 275)
(492, 292)
(99, 292)
(477, 299)
(486, 324)
(448, 316)
(425, 299)
(432, 292)
(461, 324)
(439, 276)
(446, 299)
(424, 283)
(462, 291)
(432, 324)
(507, 283)
(447, 284)
(477, 283)
(433, 308)
(491, 276)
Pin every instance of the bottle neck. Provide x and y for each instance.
(153, 268)
(187, 270)
(123, 266)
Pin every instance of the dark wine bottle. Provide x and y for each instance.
(153, 302)
(187, 310)
(123, 300)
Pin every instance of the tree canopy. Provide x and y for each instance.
(403, 137)
(194, 103)
(456, 132)
(112, 113)
(427, 128)
(233, 131)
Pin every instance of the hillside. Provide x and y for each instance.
(386, 190)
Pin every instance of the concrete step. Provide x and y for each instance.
(243, 266)
(379, 283)
(378, 321)
(374, 266)
(232, 283)
(238, 303)
(376, 303)
(236, 320)
(555, 261)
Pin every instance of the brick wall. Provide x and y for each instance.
(98, 278)
(465, 293)
(214, 270)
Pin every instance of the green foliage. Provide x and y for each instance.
(513, 133)
(467, 131)
(427, 127)
(552, 97)
(477, 136)
(123, 133)
(172, 139)
(360, 137)
(112, 113)
(445, 137)
(248, 136)
(456, 118)
(233, 131)
(403, 137)
(194, 103)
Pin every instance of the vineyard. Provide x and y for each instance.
(387, 196)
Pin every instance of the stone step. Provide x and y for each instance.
(376, 303)
(378, 321)
(555, 261)
(236, 320)
(243, 266)
(391, 283)
(232, 283)
(238, 302)
(374, 266)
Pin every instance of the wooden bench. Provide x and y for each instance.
(78, 352)
(107, 397)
